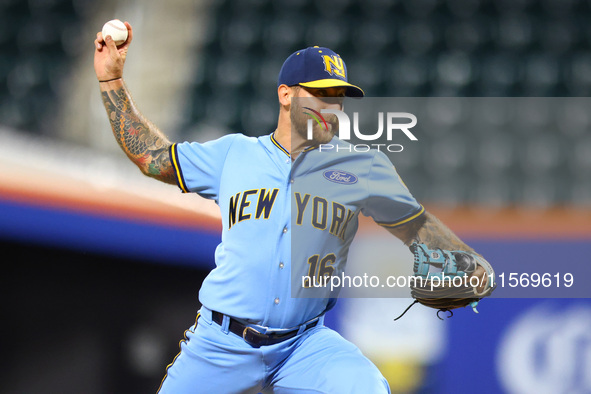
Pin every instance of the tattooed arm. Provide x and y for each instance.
(431, 231)
(141, 141)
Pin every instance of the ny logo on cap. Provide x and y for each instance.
(334, 65)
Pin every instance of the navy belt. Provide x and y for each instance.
(252, 336)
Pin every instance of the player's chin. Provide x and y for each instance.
(323, 136)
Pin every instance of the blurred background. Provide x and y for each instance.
(102, 266)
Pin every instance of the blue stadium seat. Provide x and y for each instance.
(285, 34)
(448, 154)
(577, 74)
(264, 77)
(495, 192)
(450, 192)
(233, 72)
(328, 32)
(514, 32)
(223, 109)
(580, 193)
(372, 38)
(541, 74)
(260, 117)
(539, 192)
(240, 34)
(580, 159)
(417, 38)
(573, 118)
(332, 8)
(499, 74)
(289, 6)
(534, 118)
(420, 8)
(494, 115)
(512, 6)
(541, 156)
(558, 8)
(494, 155)
(378, 8)
(464, 8)
(408, 75)
(454, 69)
(35, 59)
(557, 37)
(367, 72)
(466, 35)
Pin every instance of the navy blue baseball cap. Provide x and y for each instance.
(317, 67)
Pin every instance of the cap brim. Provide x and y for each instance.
(352, 90)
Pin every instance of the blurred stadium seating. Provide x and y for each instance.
(88, 311)
(392, 48)
(416, 49)
(38, 46)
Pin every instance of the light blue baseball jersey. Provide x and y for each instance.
(251, 180)
(332, 185)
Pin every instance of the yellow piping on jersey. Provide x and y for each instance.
(177, 168)
(416, 215)
(277, 144)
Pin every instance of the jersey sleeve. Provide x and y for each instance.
(389, 201)
(199, 166)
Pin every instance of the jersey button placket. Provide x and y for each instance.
(276, 301)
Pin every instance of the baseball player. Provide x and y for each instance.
(251, 334)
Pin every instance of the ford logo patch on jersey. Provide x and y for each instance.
(342, 177)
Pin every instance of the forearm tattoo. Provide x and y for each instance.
(141, 141)
(435, 234)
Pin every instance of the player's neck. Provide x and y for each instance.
(283, 137)
(283, 132)
(298, 145)
(294, 143)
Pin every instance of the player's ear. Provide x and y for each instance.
(284, 95)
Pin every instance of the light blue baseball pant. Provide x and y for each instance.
(213, 360)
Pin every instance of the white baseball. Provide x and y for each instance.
(117, 30)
